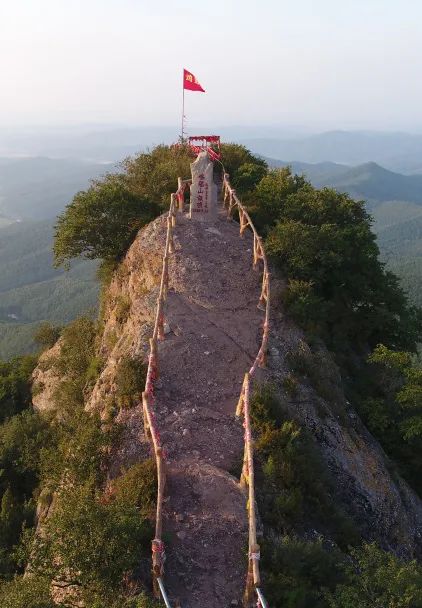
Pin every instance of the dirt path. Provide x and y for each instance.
(215, 332)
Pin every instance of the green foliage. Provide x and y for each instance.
(22, 438)
(130, 380)
(105, 271)
(47, 335)
(324, 238)
(137, 487)
(290, 384)
(271, 195)
(77, 450)
(101, 222)
(243, 167)
(122, 309)
(154, 174)
(32, 291)
(295, 486)
(94, 542)
(392, 408)
(299, 572)
(303, 304)
(29, 592)
(15, 385)
(95, 367)
(319, 368)
(376, 579)
(77, 348)
(247, 176)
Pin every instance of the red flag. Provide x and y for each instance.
(190, 82)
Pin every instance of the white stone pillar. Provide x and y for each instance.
(203, 191)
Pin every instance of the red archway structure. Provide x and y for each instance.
(206, 143)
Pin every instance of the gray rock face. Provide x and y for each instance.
(382, 504)
(203, 191)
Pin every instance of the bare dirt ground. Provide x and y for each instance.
(213, 334)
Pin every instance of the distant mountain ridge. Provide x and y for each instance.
(369, 181)
(39, 188)
(395, 202)
(396, 151)
(31, 290)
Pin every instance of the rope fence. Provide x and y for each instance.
(253, 595)
(148, 396)
(247, 480)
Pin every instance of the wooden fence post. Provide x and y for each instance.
(181, 194)
(241, 402)
(144, 410)
(166, 278)
(154, 353)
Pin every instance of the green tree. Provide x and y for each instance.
(154, 174)
(238, 161)
(47, 335)
(22, 439)
(130, 380)
(270, 196)
(325, 238)
(15, 385)
(95, 542)
(101, 222)
(392, 408)
(28, 592)
(298, 572)
(376, 579)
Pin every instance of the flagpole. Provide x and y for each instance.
(183, 105)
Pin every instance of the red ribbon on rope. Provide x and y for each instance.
(157, 546)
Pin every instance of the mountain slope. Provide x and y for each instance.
(396, 151)
(31, 290)
(369, 181)
(39, 188)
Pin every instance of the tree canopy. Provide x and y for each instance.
(101, 222)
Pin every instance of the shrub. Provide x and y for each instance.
(323, 374)
(391, 406)
(235, 156)
(137, 487)
(78, 449)
(94, 542)
(290, 384)
(298, 572)
(15, 385)
(130, 380)
(122, 309)
(303, 304)
(154, 174)
(247, 176)
(270, 196)
(324, 238)
(22, 438)
(101, 222)
(77, 347)
(376, 579)
(294, 485)
(47, 335)
(94, 370)
(29, 592)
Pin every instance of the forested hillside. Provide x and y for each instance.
(400, 152)
(341, 356)
(39, 188)
(394, 201)
(32, 290)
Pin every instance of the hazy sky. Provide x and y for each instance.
(318, 63)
